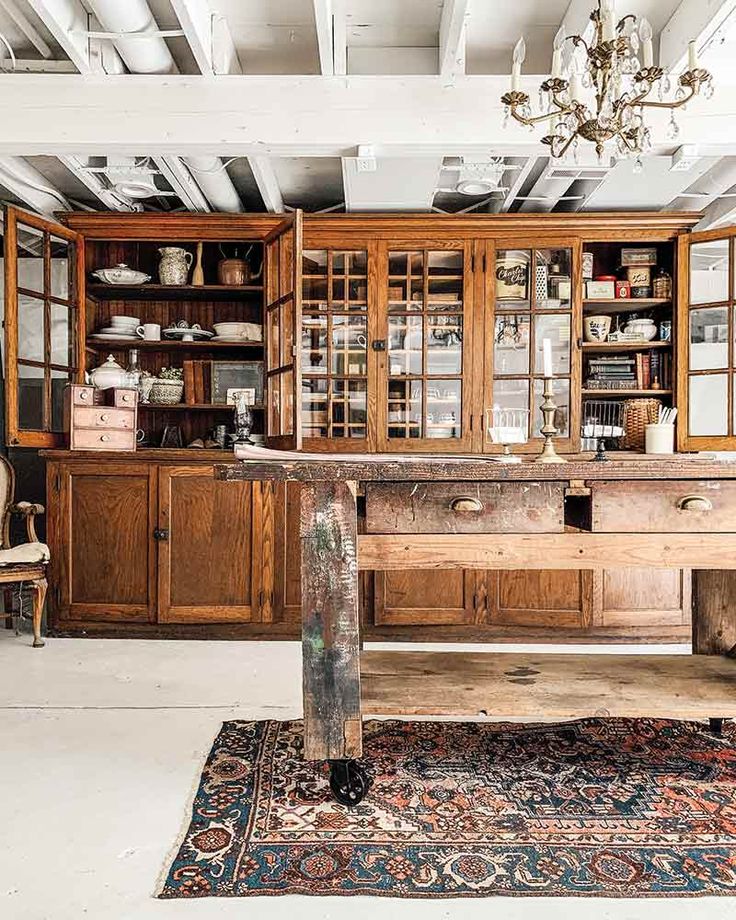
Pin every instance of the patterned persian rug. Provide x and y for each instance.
(618, 808)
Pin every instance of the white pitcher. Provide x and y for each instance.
(174, 265)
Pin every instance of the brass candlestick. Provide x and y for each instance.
(548, 430)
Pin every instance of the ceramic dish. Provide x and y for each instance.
(121, 274)
(114, 336)
(236, 340)
(187, 334)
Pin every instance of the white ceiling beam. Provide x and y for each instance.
(285, 116)
(267, 183)
(27, 28)
(339, 38)
(693, 20)
(519, 179)
(452, 37)
(323, 25)
(182, 182)
(209, 37)
(92, 181)
(719, 214)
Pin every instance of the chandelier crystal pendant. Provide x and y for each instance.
(606, 101)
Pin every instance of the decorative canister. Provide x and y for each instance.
(174, 265)
(512, 276)
(623, 290)
(596, 328)
(665, 330)
(662, 285)
(642, 326)
(640, 279)
(588, 266)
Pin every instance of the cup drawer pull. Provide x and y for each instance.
(694, 503)
(466, 503)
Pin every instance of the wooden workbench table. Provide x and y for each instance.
(444, 513)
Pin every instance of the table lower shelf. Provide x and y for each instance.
(540, 685)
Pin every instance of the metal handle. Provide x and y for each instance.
(160, 533)
(466, 503)
(694, 503)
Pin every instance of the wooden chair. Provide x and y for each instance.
(27, 562)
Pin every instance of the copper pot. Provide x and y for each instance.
(234, 272)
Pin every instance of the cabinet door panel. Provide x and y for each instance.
(107, 560)
(540, 598)
(426, 598)
(206, 564)
(644, 597)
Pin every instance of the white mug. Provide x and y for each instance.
(151, 332)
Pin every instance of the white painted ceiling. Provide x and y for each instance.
(387, 39)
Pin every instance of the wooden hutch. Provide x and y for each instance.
(382, 333)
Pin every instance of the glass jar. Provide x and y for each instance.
(662, 285)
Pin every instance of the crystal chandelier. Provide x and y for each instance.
(606, 101)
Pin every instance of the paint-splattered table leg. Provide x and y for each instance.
(330, 634)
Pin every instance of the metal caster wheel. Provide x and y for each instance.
(348, 782)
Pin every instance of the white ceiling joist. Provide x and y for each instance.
(697, 20)
(78, 167)
(280, 116)
(267, 183)
(208, 36)
(323, 25)
(69, 23)
(718, 214)
(27, 28)
(181, 181)
(515, 188)
(452, 37)
(339, 38)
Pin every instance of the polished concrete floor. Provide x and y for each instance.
(101, 744)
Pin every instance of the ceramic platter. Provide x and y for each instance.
(175, 332)
(236, 340)
(116, 336)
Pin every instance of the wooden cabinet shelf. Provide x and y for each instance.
(614, 393)
(625, 305)
(182, 407)
(623, 346)
(172, 291)
(170, 345)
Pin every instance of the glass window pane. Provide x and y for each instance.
(552, 286)
(512, 278)
(557, 330)
(404, 408)
(314, 262)
(709, 271)
(314, 293)
(708, 338)
(287, 402)
(61, 335)
(349, 345)
(30, 397)
(314, 344)
(444, 409)
(30, 258)
(314, 408)
(30, 328)
(349, 408)
(444, 295)
(708, 405)
(60, 265)
(404, 345)
(445, 262)
(59, 380)
(511, 344)
(273, 338)
(562, 401)
(511, 394)
(444, 344)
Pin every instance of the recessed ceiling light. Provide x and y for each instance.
(476, 186)
(137, 188)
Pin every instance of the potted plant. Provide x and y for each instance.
(168, 386)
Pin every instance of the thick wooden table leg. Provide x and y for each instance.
(714, 611)
(330, 630)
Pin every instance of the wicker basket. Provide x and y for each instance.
(166, 392)
(638, 413)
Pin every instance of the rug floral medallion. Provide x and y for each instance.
(616, 808)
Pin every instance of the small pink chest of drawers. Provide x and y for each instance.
(101, 419)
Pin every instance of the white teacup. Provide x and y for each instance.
(149, 332)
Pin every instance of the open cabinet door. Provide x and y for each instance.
(44, 303)
(706, 358)
(283, 318)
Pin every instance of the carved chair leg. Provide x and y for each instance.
(39, 596)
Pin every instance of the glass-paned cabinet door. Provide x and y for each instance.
(531, 289)
(427, 385)
(43, 281)
(706, 352)
(334, 344)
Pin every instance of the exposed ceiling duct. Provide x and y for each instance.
(28, 184)
(211, 176)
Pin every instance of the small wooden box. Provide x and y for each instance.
(100, 419)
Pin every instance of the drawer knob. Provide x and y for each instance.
(104, 437)
(466, 503)
(694, 503)
(104, 417)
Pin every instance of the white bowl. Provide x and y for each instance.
(250, 331)
(125, 321)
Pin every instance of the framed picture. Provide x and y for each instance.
(236, 375)
(233, 394)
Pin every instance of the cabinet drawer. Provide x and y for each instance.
(664, 506)
(125, 397)
(465, 507)
(91, 439)
(104, 417)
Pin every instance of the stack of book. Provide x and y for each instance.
(613, 372)
(197, 382)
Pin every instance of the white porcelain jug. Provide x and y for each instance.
(174, 265)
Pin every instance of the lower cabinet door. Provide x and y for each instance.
(208, 548)
(103, 552)
(445, 597)
(555, 599)
(644, 602)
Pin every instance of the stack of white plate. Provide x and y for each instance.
(238, 332)
(121, 327)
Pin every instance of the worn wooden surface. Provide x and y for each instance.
(636, 507)
(422, 469)
(330, 629)
(439, 507)
(551, 685)
(545, 551)
(714, 612)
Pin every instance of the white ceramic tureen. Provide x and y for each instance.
(107, 375)
(121, 274)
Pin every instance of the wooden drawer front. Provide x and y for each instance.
(124, 397)
(89, 439)
(85, 395)
(465, 507)
(665, 506)
(104, 417)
